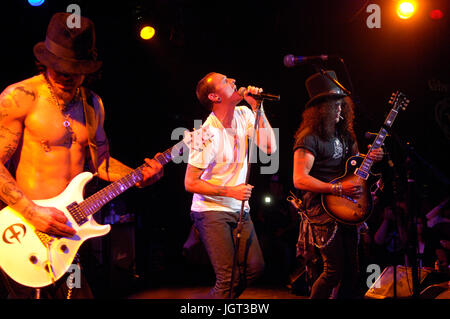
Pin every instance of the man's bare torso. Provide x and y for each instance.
(49, 154)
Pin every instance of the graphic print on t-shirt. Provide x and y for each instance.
(338, 149)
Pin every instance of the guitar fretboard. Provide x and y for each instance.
(398, 101)
(364, 170)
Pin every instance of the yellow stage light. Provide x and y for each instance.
(147, 32)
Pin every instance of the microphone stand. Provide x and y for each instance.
(335, 81)
(397, 232)
(413, 215)
(251, 149)
(412, 159)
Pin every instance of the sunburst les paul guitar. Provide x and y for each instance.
(35, 259)
(358, 169)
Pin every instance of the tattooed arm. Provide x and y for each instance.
(45, 219)
(194, 184)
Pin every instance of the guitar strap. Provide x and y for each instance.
(91, 125)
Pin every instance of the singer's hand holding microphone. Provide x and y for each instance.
(249, 94)
(253, 94)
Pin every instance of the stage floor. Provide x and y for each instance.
(257, 292)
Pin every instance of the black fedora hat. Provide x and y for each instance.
(319, 87)
(69, 49)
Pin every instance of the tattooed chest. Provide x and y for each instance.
(52, 129)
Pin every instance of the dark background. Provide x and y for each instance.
(148, 89)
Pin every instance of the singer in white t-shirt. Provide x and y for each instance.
(217, 175)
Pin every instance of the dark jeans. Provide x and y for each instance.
(340, 265)
(218, 232)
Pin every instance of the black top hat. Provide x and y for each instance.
(69, 49)
(319, 87)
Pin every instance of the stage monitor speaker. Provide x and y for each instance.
(436, 291)
(122, 246)
(383, 287)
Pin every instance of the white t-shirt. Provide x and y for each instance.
(224, 160)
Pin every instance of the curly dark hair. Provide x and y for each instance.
(320, 119)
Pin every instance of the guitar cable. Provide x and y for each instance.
(52, 275)
(49, 262)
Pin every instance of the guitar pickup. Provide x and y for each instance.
(363, 174)
(77, 213)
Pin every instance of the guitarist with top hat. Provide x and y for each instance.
(324, 141)
(47, 135)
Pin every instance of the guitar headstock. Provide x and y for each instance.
(398, 101)
(198, 139)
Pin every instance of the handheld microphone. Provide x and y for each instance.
(260, 96)
(290, 60)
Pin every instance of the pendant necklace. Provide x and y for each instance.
(64, 111)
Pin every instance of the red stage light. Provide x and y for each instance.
(436, 14)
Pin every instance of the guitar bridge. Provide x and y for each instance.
(44, 238)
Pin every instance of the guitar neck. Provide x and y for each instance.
(364, 170)
(367, 163)
(96, 201)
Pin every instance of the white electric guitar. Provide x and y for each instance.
(35, 259)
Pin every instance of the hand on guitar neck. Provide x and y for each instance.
(151, 173)
(354, 187)
(375, 154)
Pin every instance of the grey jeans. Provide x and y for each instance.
(218, 233)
